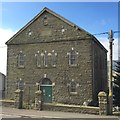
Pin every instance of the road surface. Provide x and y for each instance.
(21, 114)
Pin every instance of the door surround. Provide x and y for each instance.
(46, 88)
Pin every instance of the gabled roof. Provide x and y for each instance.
(58, 16)
(38, 15)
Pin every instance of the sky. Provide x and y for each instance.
(94, 17)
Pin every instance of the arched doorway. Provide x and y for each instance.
(46, 88)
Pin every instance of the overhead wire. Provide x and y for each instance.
(106, 33)
(92, 34)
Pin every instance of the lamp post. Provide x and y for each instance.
(110, 73)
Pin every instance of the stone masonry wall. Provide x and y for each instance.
(61, 75)
(100, 69)
(46, 33)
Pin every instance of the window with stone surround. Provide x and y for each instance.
(20, 84)
(40, 59)
(49, 59)
(46, 59)
(73, 87)
(54, 58)
(72, 57)
(21, 60)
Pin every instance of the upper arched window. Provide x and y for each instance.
(54, 58)
(46, 59)
(72, 57)
(21, 60)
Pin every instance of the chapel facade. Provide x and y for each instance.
(50, 53)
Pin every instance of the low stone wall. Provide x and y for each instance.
(71, 108)
(59, 107)
(7, 103)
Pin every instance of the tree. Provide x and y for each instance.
(116, 85)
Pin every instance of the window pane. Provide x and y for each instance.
(45, 59)
(21, 60)
(54, 60)
(38, 60)
(49, 59)
(72, 57)
(73, 87)
(42, 60)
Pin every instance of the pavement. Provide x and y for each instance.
(23, 114)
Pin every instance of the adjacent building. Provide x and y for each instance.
(50, 53)
(2, 85)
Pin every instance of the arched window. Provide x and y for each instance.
(72, 57)
(21, 60)
(49, 59)
(54, 58)
(20, 84)
(46, 59)
(40, 59)
(73, 87)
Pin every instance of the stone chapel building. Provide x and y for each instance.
(50, 53)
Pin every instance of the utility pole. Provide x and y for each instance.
(110, 73)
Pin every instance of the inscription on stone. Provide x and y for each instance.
(45, 33)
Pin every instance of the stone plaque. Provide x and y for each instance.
(45, 33)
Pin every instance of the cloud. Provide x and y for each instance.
(105, 43)
(5, 35)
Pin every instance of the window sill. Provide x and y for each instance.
(54, 66)
(21, 67)
(46, 67)
(74, 65)
(73, 93)
(38, 66)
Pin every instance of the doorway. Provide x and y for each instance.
(46, 88)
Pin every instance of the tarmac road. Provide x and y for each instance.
(23, 114)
